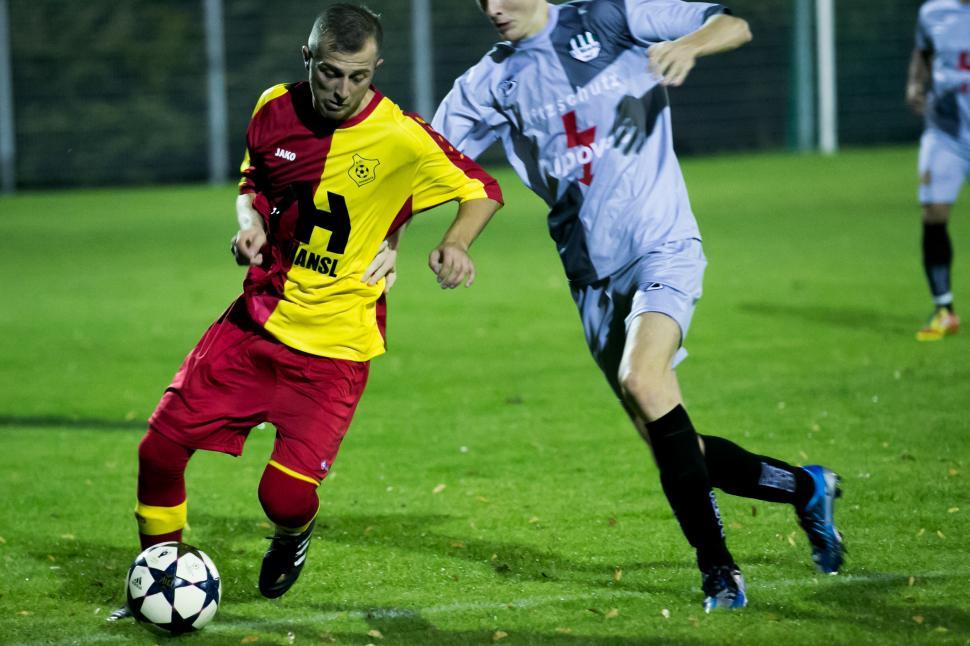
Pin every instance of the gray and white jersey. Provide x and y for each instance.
(943, 28)
(586, 127)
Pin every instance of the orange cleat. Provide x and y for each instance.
(942, 323)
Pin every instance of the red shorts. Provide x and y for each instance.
(239, 376)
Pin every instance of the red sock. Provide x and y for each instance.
(161, 489)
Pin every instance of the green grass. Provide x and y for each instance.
(551, 527)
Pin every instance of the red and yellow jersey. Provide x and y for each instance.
(329, 196)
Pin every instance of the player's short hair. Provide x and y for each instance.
(346, 27)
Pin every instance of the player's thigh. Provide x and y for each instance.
(221, 390)
(602, 312)
(943, 169)
(315, 402)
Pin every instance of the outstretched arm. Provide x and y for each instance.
(673, 60)
(917, 78)
(450, 260)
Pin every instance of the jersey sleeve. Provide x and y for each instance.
(249, 169)
(465, 116)
(653, 21)
(444, 174)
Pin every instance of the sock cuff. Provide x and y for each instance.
(153, 520)
(672, 423)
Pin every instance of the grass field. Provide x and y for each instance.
(490, 489)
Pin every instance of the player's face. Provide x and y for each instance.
(339, 81)
(516, 19)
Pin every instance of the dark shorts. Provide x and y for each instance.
(238, 377)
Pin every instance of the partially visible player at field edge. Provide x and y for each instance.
(332, 168)
(587, 127)
(938, 87)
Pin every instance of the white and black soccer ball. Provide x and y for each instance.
(173, 586)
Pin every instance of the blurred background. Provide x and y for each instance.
(146, 91)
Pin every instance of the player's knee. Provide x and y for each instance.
(288, 501)
(644, 389)
(160, 455)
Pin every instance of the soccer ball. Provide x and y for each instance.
(174, 587)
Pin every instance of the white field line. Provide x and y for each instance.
(531, 602)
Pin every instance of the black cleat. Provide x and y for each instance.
(121, 613)
(283, 562)
(723, 587)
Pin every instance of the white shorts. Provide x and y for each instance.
(944, 165)
(667, 280)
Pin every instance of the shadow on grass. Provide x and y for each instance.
(62, 421)
(855, 318)
(93, 573)
(881, 604)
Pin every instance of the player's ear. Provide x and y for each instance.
(306, 57)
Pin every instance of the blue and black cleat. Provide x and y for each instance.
(723, 587)
(817, 519)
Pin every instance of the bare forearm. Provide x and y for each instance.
(919, 69)
(720, 33)
(246, 215)
(472, 217)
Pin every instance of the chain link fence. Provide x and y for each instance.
(109, 92)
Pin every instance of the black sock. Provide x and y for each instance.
(937, 260)
(742, 473)
(683, 476)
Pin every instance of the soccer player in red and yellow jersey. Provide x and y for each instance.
(332, 170)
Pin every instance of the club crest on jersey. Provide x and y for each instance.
(584, 47)
(362, 170)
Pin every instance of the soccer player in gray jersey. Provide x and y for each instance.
(586, 125)
(941, 62)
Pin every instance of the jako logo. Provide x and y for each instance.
(285, 154)
(584, 47)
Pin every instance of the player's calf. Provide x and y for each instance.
(290, 501)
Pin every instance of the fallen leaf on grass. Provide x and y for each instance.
(940, 534)
(953, 472)
(533, 520)
(25, 613)
(922, 530)
(439, 488)
(2, 541)
(611, 521)
(919, 619)
(912, 581)
(564, 631)
(249, 639)
(791, 539)
(499, 634)
(458, 545)
(376, 634)
(67, 537)
(617, 574)
(952, 510)
(665, 613)
(614, 612)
